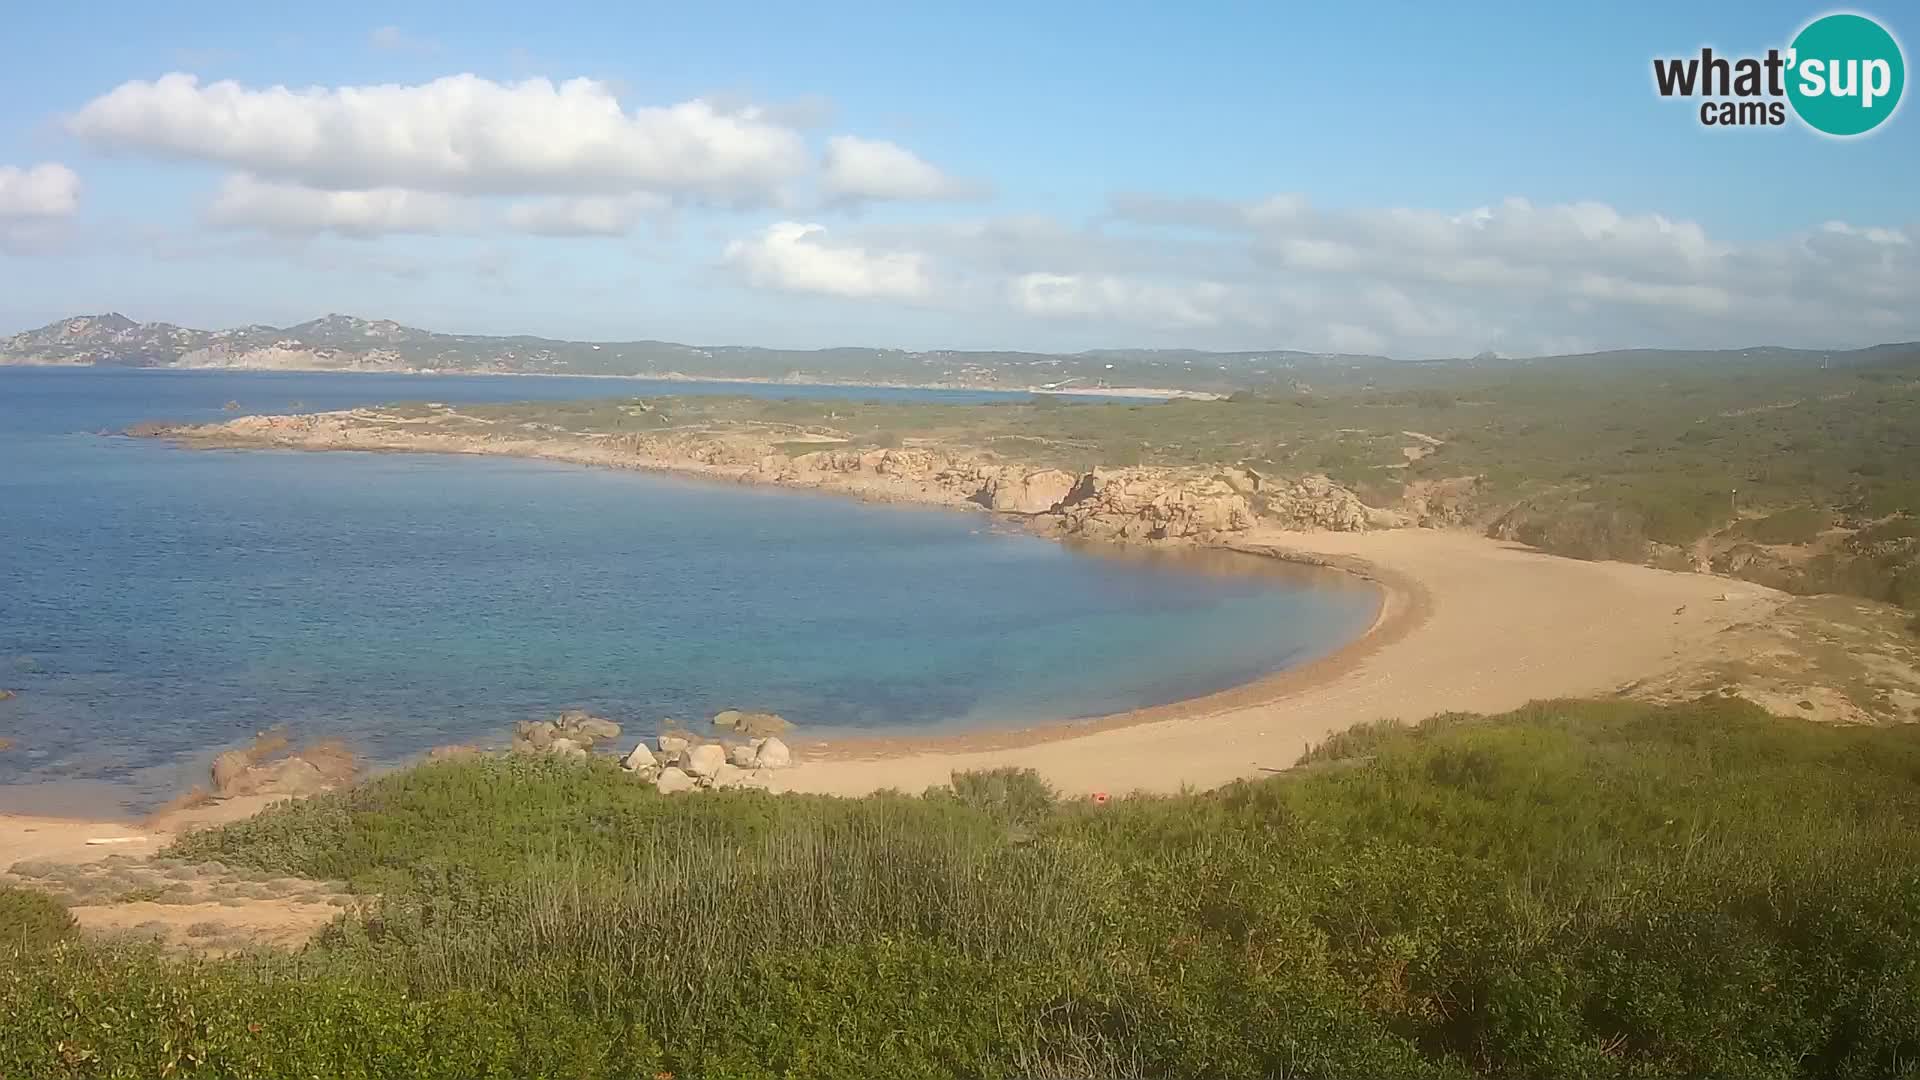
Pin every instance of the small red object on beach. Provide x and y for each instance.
(1099, 798)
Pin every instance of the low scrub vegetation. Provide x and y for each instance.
(1600, 889)
(1800, 525)
(30, 921)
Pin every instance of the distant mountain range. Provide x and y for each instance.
(347, 343)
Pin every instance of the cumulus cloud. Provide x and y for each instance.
(462, 134)
(1511, 275)
(246, 202)
(1105, 296)
(586, 216)
(858, 170)
(794, 257)
(47, 190)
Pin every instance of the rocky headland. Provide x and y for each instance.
(1131, 503)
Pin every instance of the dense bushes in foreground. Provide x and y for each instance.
(1575, 889)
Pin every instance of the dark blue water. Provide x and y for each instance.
(158, 604)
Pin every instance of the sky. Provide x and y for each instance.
(1412, 179)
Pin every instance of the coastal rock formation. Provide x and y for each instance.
(256, 771)
(1315, 502)
(772, 754)
(227, 770)
(705, 760)
(1755, 562)
(1136, 503)
(577, 723)
(752, 725)
(1442, 503)
(1013, 490)
(573, 733)
(1152, 504)
(686, 764)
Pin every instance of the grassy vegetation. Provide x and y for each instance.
(30, 921)
(1576, 889)
(1799, 525)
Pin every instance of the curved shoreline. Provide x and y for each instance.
(1402, 605)
(1484, 626)
(1464, 623)
(1402, 602)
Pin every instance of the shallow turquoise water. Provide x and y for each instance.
(157, 604)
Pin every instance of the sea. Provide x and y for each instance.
(158, 604)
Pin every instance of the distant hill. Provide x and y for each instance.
(348, 343)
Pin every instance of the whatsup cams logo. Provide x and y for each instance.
(1841, 75)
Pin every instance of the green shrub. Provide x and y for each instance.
(1680, 517)
(1585, 533)
(1799, 525)
(1902, 527)
(1603, 889)
(1018, 796)
(31, 920)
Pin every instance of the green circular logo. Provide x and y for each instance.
(1846, 74)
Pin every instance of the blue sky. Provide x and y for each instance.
(1401, 178)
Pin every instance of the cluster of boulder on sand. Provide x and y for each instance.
(677, 761)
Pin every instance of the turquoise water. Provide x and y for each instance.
(158, 604)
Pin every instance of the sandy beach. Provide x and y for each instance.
(1469, 624)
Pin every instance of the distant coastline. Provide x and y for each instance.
(1143, 393)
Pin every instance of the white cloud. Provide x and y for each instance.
(1104, 296)
(795, 257)
(245, 202)
(1523, 277)
(587, 216)
(47, 190)
(858, 170)
(394, 39)
(462, 133)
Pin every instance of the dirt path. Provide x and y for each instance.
(116, 881)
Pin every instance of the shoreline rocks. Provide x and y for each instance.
(752, 725)
(672, 781)
(260, 770)
(571, 734)
(686, 763)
